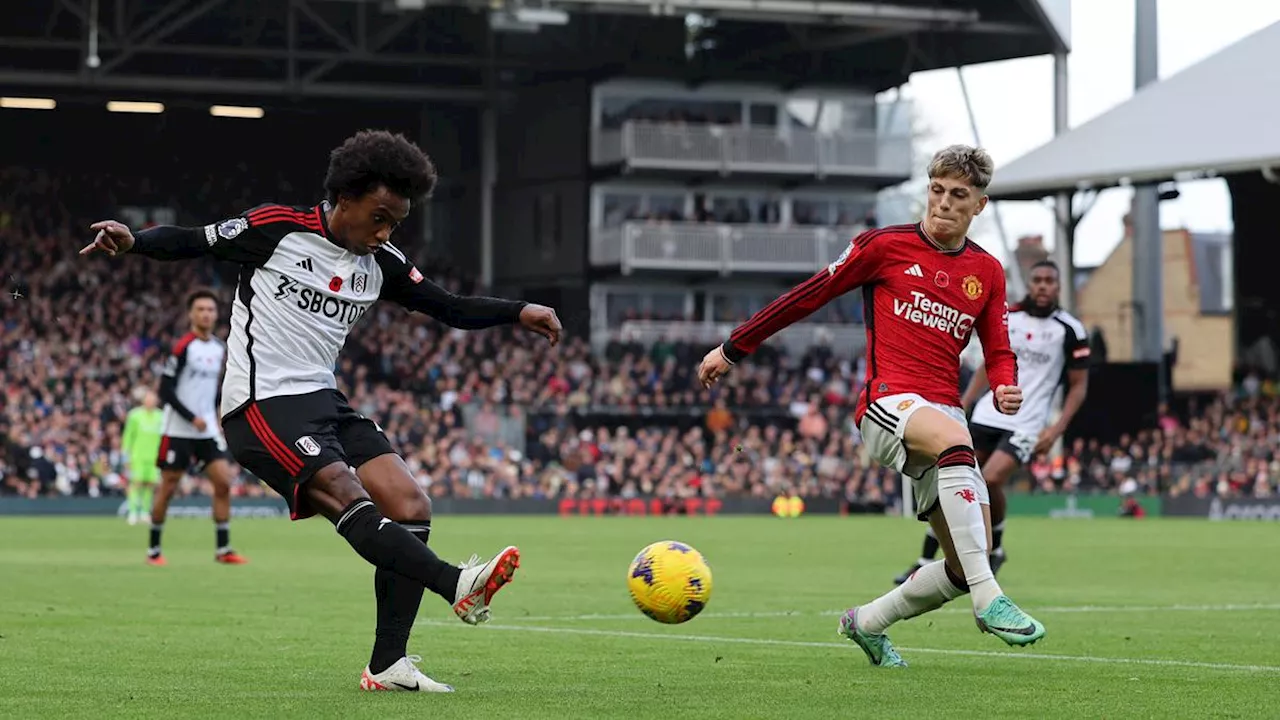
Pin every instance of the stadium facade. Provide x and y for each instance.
(681, 160)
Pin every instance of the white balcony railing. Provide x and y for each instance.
(847, 338)
(724, 249)
(725, 149)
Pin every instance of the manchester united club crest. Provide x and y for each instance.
(358, 282)
(905, 404)
(972, 287)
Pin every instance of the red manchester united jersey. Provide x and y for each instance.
(922, 304)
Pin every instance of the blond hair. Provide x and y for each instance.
(972, 164)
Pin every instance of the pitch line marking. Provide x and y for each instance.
(832, 613)
(1157, 662)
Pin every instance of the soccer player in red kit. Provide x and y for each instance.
(926, 289)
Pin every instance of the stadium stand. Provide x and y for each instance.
(494, 414)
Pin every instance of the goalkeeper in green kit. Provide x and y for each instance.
(140, 445)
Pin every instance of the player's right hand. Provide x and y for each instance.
(714, 365)
(1008, 399)
(114, 238)
(200, 424)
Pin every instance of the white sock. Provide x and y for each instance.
(959, 492)
(927, 589)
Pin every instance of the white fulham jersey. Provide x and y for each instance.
(299, 294)
(189, 386)
(1047, 347)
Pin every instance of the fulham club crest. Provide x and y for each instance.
(308, 446)
(358, 282)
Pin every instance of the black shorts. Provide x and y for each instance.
(284, 440)
(190, 454)
(987, 440)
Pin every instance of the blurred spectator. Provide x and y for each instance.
(498, 414)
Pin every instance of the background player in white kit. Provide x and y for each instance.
(1052, 347)
(192, 435)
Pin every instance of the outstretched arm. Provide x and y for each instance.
(405, 285)
(472, 312)
(164, 242)
(239, 239)
(858, 265)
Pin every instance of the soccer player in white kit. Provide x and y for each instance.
(192, 436)
(307, 276)
(1052, 348)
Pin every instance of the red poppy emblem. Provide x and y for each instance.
(335, 284)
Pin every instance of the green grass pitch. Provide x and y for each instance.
(1155, 618)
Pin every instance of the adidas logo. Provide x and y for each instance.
(914, 271)
(305, 264)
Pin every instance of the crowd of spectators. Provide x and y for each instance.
(498, 414)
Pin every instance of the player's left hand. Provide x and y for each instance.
(542, 320)
(1048, 437)
(1008, 399)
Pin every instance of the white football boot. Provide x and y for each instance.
(479, 583)
(403, 676)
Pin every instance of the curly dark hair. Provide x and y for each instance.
(376, 157)
(200, 294)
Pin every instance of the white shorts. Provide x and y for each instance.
(882, 430)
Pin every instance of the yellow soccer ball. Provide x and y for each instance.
(670, 582)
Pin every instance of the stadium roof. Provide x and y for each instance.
(1215, 117)
(459, 50)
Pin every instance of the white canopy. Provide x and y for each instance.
(1218, 116)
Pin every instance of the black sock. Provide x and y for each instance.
(154, 548)
(997, 538)
(223, 540)
(387, 545)
(930, 549)
(398, 601)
